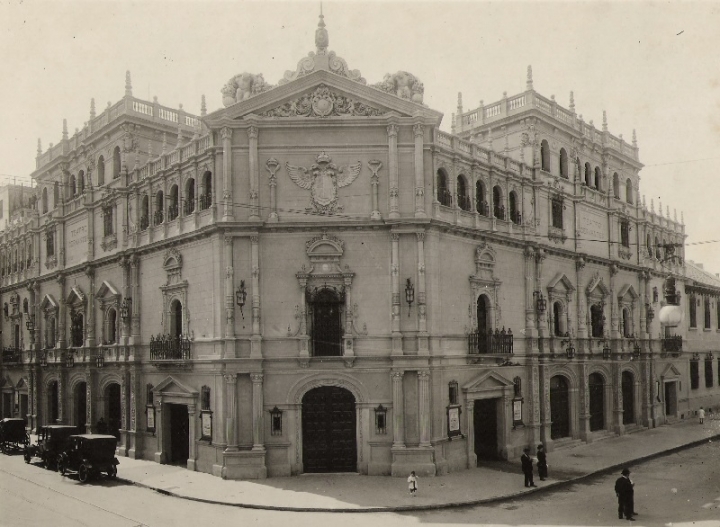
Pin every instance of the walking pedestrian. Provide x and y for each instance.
(626, 496)
(542, 463)
(527, 467)
(701, 415)
(412, 483)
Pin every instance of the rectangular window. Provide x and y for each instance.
(1, 208)
(694, 374)
(108, 221)
(50, 243)
(693, 311)
(557, 213)
(708, 373)
(625, 234)
(708, 325)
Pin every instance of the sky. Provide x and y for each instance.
(654, 67)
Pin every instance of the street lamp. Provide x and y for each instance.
(540, 302)
(607, 351)
(30, 322)
(241, 296)
(409, 294)
(636, 350)
(125, 309)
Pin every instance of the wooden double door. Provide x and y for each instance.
(329, 440)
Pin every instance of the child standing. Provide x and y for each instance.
(701, 415)
(412, 483)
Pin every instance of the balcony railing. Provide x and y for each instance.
(464, 202)
(169, 348)
(499, 212)
(172, 212)
(516, 217)
(672, 344)
(158, 216)
(444, 197)
(11, 355)
(205, 201)
(483, 208)
(189, 207)
(497, 342)
(144, 223)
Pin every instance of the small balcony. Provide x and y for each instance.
(499, 342)
(444, 197)
(516, 217)
(483, 208)
(205, 201)
(11, 355)
(169, 349)
(158, 217)
(672, 344)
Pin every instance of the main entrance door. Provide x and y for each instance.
(559, 408)
(328, 430)
(670, 399)
(179, 434)
(485, 427)
(628, 394)
(597, 402)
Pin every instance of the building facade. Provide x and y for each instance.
(315, 278)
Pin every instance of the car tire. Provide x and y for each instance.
(83, 473)
(112, 472)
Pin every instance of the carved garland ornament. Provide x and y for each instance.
(322, 103)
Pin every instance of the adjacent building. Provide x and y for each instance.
(316, 278)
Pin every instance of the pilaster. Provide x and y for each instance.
(252, 132)
(257, 411)
(392, 131)
(397, 347)
(231, 412)
(424, 407)
(256, 339)
(418, 134)
(398, 410)
(229, 351)
(423, 345)
(228, 212)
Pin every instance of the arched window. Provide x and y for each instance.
(50, 332)
(206, 191)
(616, 185)
(110, 327)
(657, 248)
(326, 330)
(498, 206)
(563, 163)
(628, 191)
(176, 318)
(597, 321)
(557, 320)
(627, 323)
(483, 335)
(56, 194)
(173, 203)
(44, 201)
(159, 207)
(515, 216)
(443, 192)
(25, 305)
(588, 175)
(597, 178)
(189, 196)
(77, 328)
(462, 193)
(144, 213)
(101, 171)
(545, 155)
(648, 243)
(72, 187)
(81, 182)
(117, 164)
(481, 204)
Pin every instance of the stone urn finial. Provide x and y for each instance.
(322, 39)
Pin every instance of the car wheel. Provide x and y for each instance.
(112, 472)
(83, 474)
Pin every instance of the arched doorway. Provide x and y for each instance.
(114, 409)
(628, 394)
(53, 403)
(597, 402)
(80, 400)
(559, 407)
(329, 441)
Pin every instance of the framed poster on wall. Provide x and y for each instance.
(206, 425)
(517, 404)
(150, 415)
(453, 421)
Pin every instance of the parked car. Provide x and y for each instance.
(89, 455)
(13, 435)
(51, 442)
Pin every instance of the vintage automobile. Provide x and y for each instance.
(13, 435)
(51, 442)
(89, 455)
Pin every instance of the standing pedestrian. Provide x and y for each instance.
(542, 463)
(527, 467)
(412, 483)
(701, 415)
(626, 496)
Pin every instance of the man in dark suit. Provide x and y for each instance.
(527, 467)
(626, 495)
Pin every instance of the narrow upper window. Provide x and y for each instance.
(557, 212)
(616, 185)
(462, 193)
(545, 156)
(117, 164)
(628, 191)
(563, 163)
(101, 171)
(624, 233)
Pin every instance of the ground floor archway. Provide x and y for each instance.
(329, 436)
(485, 425)
(559, 407)
(113, 409)
(596, 385)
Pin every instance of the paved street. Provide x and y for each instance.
(33, 496)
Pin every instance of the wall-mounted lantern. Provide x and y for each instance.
(69, 360)
(100, 360)
(637, 349)
(540, 302)
(276, 421)
(43, 359)
(241, 296)
(569, 348)
(381, 420)
(606, 351)
(125, 309)
(409, 294)
(30, 322)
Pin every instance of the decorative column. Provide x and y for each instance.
(375, 165)
(219, 437)
(530, 331)
(398, 410)
(231, 412)
(614, 315)
(132, 430)
(89, 407)
(272, 166)
(226, 134)
(62, 315)
(470, 427)
(395, 269)
(32, 289)
(348, 351)
(418, 134)
(161, 455)
(424, 407)
(252, 132)
(421, 297)
(193, 454)
(618, 403)
(643, 299)
(124, 414)
(61, 396)
(584, 417)
(135, 304)
(542, 315)
(581, 301)
(536, 427)
(257, 411)
(256, 339)
(90, 311)
(392, 131)
(126, 280)
(229, 300)
(34, 378)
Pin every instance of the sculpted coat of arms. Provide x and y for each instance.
(323, 180)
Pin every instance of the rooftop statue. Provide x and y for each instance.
(403, 84)
(241, 87)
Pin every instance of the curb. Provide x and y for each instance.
(437, 506)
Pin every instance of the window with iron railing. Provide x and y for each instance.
(488, 342)
(516, 217)
(168, 347)
(205, 201)
(188, 207)
(444, 197)
(464, 202)
(158, 217)
(172, 212)
(499, 212)
(557, 213)
(483, 208)
(672, 344)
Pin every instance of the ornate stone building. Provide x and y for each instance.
(316, 278)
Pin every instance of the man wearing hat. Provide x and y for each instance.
(626, 495)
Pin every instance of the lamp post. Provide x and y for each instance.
(241, 296)
(569, 348)
(409, 294)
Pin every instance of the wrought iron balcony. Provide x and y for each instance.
(166, 348)
(11, 355)
(205, 201)
(483, 208)
(445, 197)
(499, 212)
(464, 202)
(672, 344)
(515, 217)
(189, 207)
(158, 216)
(499, 342)
(172, 212)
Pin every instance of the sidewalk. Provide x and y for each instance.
(356, 493)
